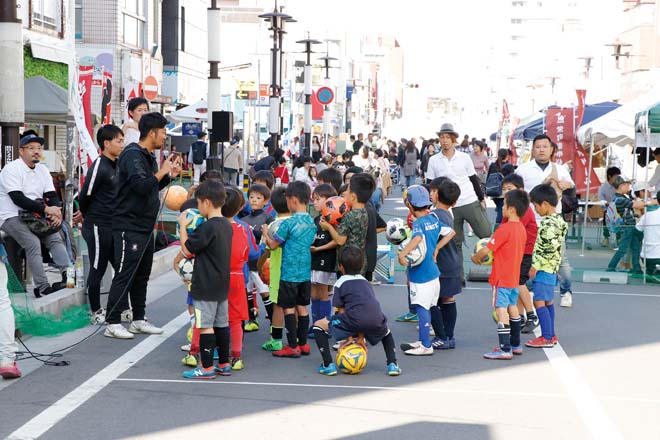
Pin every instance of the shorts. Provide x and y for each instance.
(525, 266)
(210, 314)
(504, 297)
(294, 294)
(543, 292)
(450, 287)
(255, 282)
(425, 294)
(340, 332)
(325, 278)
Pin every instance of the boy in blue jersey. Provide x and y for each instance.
(424, 283)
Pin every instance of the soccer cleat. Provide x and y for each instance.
(408, 317)
(251, 326)
(540, 342)
(237, 364)
(330, 370)
(554, 340)
(393, 369)
(420, 350)
(410, 345)
(288, 352)
(437, 343)
(145, 327)
(566, 300)
(10, 370)
(530, 325)
(272, 345)
(98, 317)
(189, 360)
(449, 344)
(499, 354)
(304, 349)
(223, 370)
(199, 373)
(517, 350)
(117, 331)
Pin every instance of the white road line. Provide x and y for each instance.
(45, 420)
(644, 295)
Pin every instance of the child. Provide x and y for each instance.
(296, 235)
(324, 258)
(263, 177)
(375, 226)
(545, 262)
(444, 194)
(424, 283)
(258, 196)
(508, 247)
(278, 199)
(531, 321)
(312, 174)
(353, 227)
(360, 314)
(238, 305)
(630, 241)
(281, 174)
(211, 245)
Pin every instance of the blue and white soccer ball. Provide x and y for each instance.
(197, 219)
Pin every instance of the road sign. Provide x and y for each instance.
(246, 94)
(325, 95)
(264, 94)
(150, 88)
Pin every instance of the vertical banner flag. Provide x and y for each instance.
(560, 126)
(581, 162)
(104, 64)
(512, 146)
(505, 118)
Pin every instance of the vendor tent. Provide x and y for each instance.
(45, 102)
(193, 113)
(647, 127)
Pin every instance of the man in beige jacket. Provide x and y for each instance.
(232, 162)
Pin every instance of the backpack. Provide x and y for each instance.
(198, 152)
(494, 184)
(613, 219)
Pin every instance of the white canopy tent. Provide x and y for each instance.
(196, 112)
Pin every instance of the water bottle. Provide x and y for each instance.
(70, 277)
(80, 273)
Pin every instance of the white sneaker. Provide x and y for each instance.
(420, 350)
(98, 317)
(144, 327)
(117, 331)
(337, 344)
(566, 300)
(375, 283)
(185, 347)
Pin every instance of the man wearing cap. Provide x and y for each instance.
(232, 162)
(26, 185)
(631, 238)
(458, 166)
(199, 151)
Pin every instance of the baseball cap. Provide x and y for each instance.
(620, 180)
(31, 138)
(234, 141)
(418, 196)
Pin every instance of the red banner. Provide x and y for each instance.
(580, 173)
(85, 90)
(560, 127)
(581, 95)
(317, 108)
(512, 146)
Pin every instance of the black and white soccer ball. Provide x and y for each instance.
(397, 231)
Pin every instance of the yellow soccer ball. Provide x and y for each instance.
(488, 259)
(352, 358)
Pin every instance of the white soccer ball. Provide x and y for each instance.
(186, 267)
(417, 255)
(273, 227)
(397, 231)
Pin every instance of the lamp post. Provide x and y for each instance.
(326, 114)
(306, 151)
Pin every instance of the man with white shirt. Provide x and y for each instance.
(458, 166)
(649, 224)
(654, 181)
(540, 169)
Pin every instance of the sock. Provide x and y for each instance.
(449, 313)
(437, 323)
(236, 337)
(388, 346)
(303, 329)
(531, 315)
(515, 324)
(424, 325)
(321, 338)
(551, 311)
(206, 345)
(546, 323)
(411, 307)
(194, 344)
(325, 309)
(316, 313)
(291, 329)
(222, 342)
(268, 305)
(276, 333)
(504, 335)
(250, 304)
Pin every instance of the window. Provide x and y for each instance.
(156, 20)
(183, 29)
(47, 14)
(79, 19)
(134, 23)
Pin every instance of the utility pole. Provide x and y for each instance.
(12, 106)
(306, 151)
(326, 113)
(214, 22)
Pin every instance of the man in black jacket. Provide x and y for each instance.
(199, 151)
(138, 182)
(97, 204)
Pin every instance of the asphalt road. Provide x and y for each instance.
(599, 382)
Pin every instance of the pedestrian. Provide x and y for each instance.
(606, 193)
(232, 162)
(411, 156)
(497, 171)
(199, 151)
(136, 108)
(430, 151)
(631, 238)
(480, 161)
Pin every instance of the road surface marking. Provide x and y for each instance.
(489, 289)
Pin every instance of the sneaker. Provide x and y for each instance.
(530, 325)
(499, 354)
(337, 344)
(224, 370)
(540, 342)
(449, 344)
(272, 345)
(189, 360)
(304, 349)
(437, 343)
(9, 370)
(251, 326)
(144, 327)
(419, 351)
(237, 364)
(375, 283)
(127, 315)
(393, 369)
(554, 340)
(288, 352)
(117, 331)
(199, 373)
(517, 350)
(186, 347)
(330, 370)
(408, 317)
(566, 300)
(410, 345)
(98, 317)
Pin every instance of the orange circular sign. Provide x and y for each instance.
(150, 88)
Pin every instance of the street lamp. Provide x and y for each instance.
(306, 151)
(326, 114)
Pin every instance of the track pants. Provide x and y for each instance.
(101, 252)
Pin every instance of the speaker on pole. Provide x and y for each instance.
(223, 126)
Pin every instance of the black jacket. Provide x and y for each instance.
(98, 195)
(137, 190)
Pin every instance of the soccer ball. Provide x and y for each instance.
(417, 255)
(175, 197)
(264, 273)
(186, 266)
(396, 231)
(273, 227)
(197, 219)
(488, 259)
(334, 209)
(352, 358)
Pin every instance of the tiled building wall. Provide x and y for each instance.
(100, 22)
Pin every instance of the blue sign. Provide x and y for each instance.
(191, 128)
(349, 92)
(325, 95)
